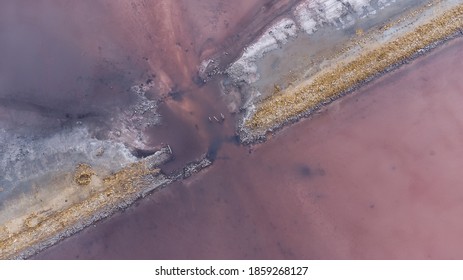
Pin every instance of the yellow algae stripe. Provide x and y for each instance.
(278, 108)
(120, 186)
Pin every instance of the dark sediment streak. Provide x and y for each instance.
(74, 63)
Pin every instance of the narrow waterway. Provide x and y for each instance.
(71, 67)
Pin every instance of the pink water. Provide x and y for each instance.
(375, 175)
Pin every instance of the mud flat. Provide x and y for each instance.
(276, 82)
(92, 92)
(375, 175)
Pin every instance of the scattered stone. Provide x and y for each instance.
(99, 152)
(195, 167)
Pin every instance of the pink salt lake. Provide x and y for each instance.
(375, 175)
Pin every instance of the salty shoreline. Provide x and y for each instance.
(47, 227)
(361, 59)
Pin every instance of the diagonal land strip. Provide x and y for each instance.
(121, 187)
(118, 191)
(279, 108)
